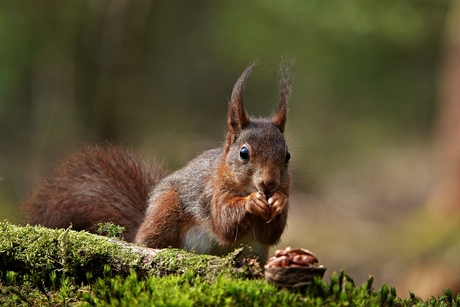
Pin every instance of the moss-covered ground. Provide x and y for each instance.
(44, 267)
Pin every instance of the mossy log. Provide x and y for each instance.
(41, 251)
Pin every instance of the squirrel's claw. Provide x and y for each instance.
(257, 205)
(278, 203)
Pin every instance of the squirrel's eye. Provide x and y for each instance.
(288, 156)
(244, 153)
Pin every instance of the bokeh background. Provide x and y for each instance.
(374, 117)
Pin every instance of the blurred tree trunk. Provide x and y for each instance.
(446, 196)
(434, 266)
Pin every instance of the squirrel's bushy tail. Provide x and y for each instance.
(106, 183)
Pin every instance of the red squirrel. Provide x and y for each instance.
(226, 197)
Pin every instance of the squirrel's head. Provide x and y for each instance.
(255, 149)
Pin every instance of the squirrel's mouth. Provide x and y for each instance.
(265, 194)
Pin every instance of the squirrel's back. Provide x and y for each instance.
(105, 183)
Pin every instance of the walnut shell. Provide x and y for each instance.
(293, 276)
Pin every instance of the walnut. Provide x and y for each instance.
(292, 267)
(292, 257)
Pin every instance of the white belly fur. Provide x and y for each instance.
(202, 241)
(198, 240)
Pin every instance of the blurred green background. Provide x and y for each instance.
(157, 75)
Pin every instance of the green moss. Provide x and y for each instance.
(172, 261)
(187, 290)
(29, 290)
(110, 230)
(45, 267)
(40, 251)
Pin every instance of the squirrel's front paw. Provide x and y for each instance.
(278, 203)
(257, 204)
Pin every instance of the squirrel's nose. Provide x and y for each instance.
(270, 185)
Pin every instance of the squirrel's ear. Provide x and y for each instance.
(237, 118)
(285, 89)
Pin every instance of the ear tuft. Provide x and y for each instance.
(285, 72)
(237, 117)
